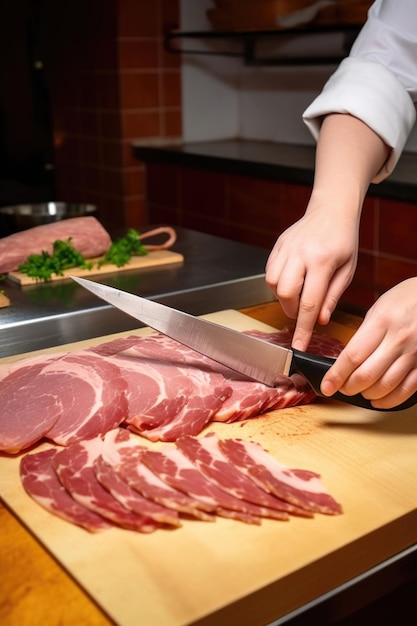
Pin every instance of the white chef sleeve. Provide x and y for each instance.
(377, 83)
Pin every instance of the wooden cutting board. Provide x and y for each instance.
(154, 258)
(229, 572)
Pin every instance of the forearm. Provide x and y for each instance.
(348, 156)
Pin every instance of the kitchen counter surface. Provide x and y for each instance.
(285, 162)
(216, 274)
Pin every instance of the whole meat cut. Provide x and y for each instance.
(87, 236)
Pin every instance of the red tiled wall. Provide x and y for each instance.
(110, 82)
(256, 211)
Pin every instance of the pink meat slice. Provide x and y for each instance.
(74, 467)
(63, 397)
(247, 399)
(251, 399)
(174, 468)
(130, 498)
(205, 454)
(300, 487)
(28, 409)
(209, 394)
(156, 391)
(122, 451)
(92, 394)
(319, 344)
(166, 394)
(41, 483)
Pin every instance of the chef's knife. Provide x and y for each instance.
(254, 358)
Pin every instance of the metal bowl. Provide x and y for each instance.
(24, 216)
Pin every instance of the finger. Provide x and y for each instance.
(311, 302)
(356, 352)
(290, 287)
(337, 286)
(400, 394)
(392, 378)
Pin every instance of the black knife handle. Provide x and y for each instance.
(314, 367)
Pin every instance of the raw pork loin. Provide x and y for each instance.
(154, 385)
(117, 481)
(87, 235)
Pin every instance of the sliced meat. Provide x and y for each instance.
(87, 235)
(41, 483)
(158, 387)
(74, 467)
(174, 468)
(244, 399)
(319, 344)
(205, 454)
(165, 398)
(29, 410)
(64, 397)
(251, 399)
(131, 499)
(122, 451)
(301, 487)
(208, 396)
(156, 390)
(92, 393)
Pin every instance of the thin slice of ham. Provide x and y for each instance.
(121, 450)
(74, 467)
(41, 483)
(64, 397)
(92, 393)
(300, 487)
(116, 480)
(156, 391)
(130, 498)
(28, 410)
(159, 388)
(87, 236)
(174, 468)
(319, 344)
(206, 455)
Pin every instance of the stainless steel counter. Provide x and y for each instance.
(216, 274)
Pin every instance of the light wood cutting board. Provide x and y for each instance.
(154, 258)
(229, 572)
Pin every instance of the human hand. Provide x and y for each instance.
(311, 265)
(380, 361)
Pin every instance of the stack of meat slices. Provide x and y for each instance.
(115, 480)
(154, 385)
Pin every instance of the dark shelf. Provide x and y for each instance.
(274, 161)
(249, 40)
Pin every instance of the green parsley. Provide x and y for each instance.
(122, 250)
(64, 256)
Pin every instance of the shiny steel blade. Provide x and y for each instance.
(255, 358)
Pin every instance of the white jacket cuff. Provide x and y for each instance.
(370, 92)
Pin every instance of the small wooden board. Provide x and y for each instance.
(4, 300)
(152, 259)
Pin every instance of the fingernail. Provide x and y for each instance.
(298, 345)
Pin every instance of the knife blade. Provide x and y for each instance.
(255, 358)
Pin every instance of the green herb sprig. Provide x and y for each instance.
(122, 250)
(64, 256)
